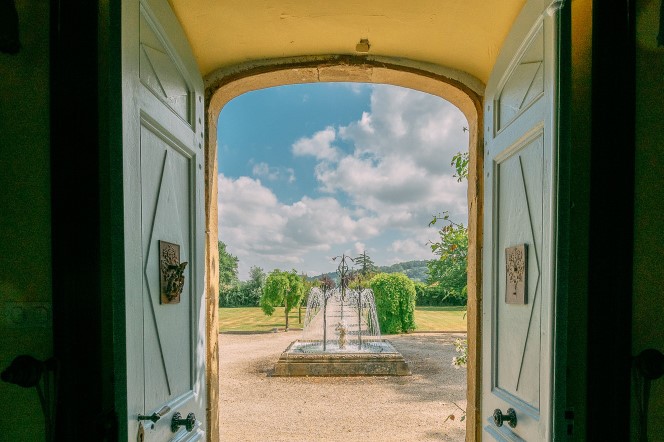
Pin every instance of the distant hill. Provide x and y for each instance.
(415, 270)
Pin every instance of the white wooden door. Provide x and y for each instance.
(520, 229)
(163, 199)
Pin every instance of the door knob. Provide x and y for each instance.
(509, 417)
(188, 423)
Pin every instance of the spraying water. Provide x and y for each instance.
(341, 320)
(341, 335)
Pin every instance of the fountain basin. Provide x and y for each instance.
(374, 358)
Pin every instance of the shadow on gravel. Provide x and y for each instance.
(429, 358)
(406, 408)
(433, 375)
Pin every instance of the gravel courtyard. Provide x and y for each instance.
(257, 407)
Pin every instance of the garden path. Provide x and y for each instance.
(257, 407)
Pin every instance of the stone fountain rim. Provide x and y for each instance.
(391, 353)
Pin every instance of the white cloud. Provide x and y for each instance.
(402, 121)
(400, 166)
(318, 146)
(407, 247)
(355, 88)
(264, 170)
(396, 176)
(262, 231)
(393, 185)
(360, 247)
(415, 245)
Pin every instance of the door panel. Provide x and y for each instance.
(163, 199)
(519, 212)
(525, 83)
(519, 228)
(165, 173)
(159, 70)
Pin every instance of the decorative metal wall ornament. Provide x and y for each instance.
(171, 273)
(516, 274)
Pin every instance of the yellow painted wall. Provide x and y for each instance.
(25, 255)
(465, 35)
(648, 306)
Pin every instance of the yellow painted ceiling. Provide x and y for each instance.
(460, 34)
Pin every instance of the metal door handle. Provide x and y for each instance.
(509, 417)
(177, 422)
(154, 417)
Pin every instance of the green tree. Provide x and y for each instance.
(253, 288)
(423, 294)
(228, 280)
(282, 289)
(460, 163)
(366, 266)
(357, 281)
(395, 302)
(447, 275)
(447, 279)
(360, 277)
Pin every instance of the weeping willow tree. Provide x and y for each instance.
(282, 289)
(395, 302)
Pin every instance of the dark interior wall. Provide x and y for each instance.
(648, 287)
(610, 233)
(83, 339)
(580, 77)
(25, 215)
(616, 180)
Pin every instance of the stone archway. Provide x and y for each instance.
(460, 89)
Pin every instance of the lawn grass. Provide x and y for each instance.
(447, 318)
(248, 319)
(253, 319)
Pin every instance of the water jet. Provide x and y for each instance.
(341, 337)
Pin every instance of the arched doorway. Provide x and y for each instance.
(462, 90)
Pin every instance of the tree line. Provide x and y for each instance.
(415, 270)
(232, 291)
(445, 283)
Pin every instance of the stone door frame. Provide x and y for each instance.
(460, 89)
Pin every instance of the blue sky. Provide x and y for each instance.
(307, 172)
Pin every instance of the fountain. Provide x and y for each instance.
(341, 336)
